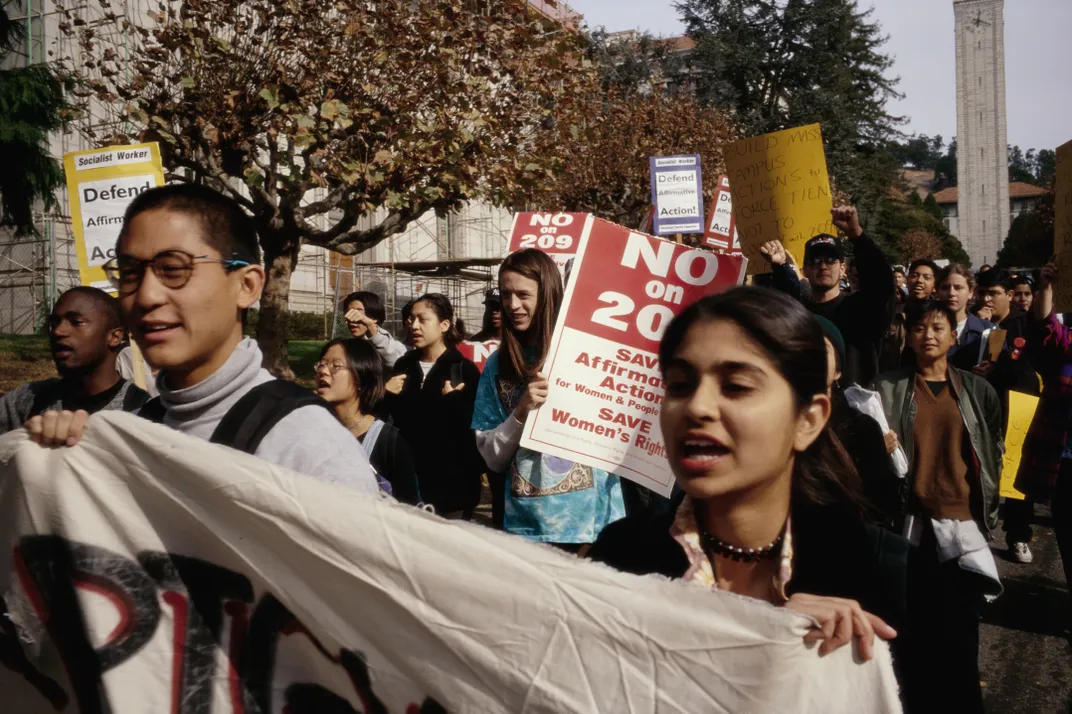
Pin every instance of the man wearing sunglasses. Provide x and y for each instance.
(187, 268)
(864, 316)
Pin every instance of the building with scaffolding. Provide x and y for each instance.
(455, 255)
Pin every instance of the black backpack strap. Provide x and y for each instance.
(456, 375)
(246, 424)
(134, 398)
(153, 410)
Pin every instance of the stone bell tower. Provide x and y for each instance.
(983, 213)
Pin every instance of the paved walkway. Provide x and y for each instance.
(1025, 652)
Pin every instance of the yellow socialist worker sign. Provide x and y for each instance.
(101, 183)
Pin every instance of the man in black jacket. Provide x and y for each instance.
(862, 317)
(1010, 372)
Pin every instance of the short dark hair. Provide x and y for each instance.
(996, 277)
(225, 226)
(372, 303)
(108, 303)
(925, 262)
(898, 270)
(366, 368)
(917, 313)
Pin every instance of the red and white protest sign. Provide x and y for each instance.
(721, 232)
(478, 352)
(605, 393)
(557, 234)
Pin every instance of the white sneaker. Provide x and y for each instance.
(1022, 553)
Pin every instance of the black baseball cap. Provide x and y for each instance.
(492, 297)
(823, 245)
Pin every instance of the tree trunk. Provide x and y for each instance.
(280, 258)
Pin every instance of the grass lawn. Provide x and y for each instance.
(302, 355)
(25, 358)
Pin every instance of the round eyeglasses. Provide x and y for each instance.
(331, 367)
(172, 268)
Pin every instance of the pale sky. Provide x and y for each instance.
(1038, 56)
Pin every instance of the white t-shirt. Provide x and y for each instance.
(426, 367)
(960, 328)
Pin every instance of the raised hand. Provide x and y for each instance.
(774, 252)
(847, 220)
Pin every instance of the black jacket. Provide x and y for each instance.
(863, 316)
(865, 443)
(437, 429)
(835, 554)
(965, 353)
(1013, 371)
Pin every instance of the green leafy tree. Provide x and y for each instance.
(919, 152)
(947, 166)
(338, 125)
(1021, 165)
(32, 104)
(931, 206)
(785, 64)
(907, 232)
(1030, 240)
(1045, 167)
(633, 62)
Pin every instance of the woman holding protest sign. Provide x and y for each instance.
(548, 499)
(773, 508)
(349, 377)
(433, 406)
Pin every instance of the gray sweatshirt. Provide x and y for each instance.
(309, 440)
(16, 407)
(389, 349)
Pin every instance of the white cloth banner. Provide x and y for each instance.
(147, 571)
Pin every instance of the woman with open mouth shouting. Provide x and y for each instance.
(773, 508)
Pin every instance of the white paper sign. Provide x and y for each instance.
(103, 205)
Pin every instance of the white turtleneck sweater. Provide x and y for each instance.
(309, 440)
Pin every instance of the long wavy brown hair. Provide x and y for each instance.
(534, 265)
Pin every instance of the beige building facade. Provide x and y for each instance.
(983, 214)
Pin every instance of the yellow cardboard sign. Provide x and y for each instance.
(101, 183)
(781, 191)
(1062, 228)
(1021, 412)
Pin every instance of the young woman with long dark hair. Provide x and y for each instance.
(349, 377)
(773, 508)
(547, 499)
(433, 408)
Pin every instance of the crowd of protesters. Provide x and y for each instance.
(836, 437)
